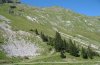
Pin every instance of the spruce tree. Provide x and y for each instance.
(4, 1)
(51, 41)
(58, 42)
(65, 45)
(90, 52)
(44, 37)
(84, 53)
(73, 49)
(36, 32)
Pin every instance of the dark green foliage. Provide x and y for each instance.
(58, 42)
(96, 54)
(13, 6)
(2, 55)
(44, 37)
(62, 54)
(62, 46)
(11, 9)
(36, 32)
(73, 49)
(51, 41)
(10, 1)
(84, 53)
(66, 46)
(90, 52)
(31, 30)
(4, 1)
(26, 57)
(7, 1)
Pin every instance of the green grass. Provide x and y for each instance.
(56, 58)
(2, 55)
(19, 22)
(68, 64)
(5, 59)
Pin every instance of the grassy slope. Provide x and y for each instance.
(21, 23)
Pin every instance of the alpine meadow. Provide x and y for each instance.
(47, 36)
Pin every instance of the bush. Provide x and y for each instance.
(31, 30)
(36, 32)
(12, 6)
(44, 37)
(62, 55)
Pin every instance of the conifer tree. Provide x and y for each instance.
(4, 1)
(51, 41)
(90, 52)
(66, 45)
(58, 42)
(84, 53)
(44, 37)
(73, 49)
(36, 32)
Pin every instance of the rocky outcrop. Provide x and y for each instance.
(15, 43)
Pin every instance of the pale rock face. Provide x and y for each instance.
(83, 42)
(23, 33)
(32, 19)
(28, 17)
(68, 23)
(20, 48)
(4, 19)
(16, 45)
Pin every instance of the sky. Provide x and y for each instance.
(86, 7)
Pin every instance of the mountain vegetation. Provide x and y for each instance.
(54, 34)
(62, 46)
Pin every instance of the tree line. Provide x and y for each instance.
(9, 1)
(62, 46)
